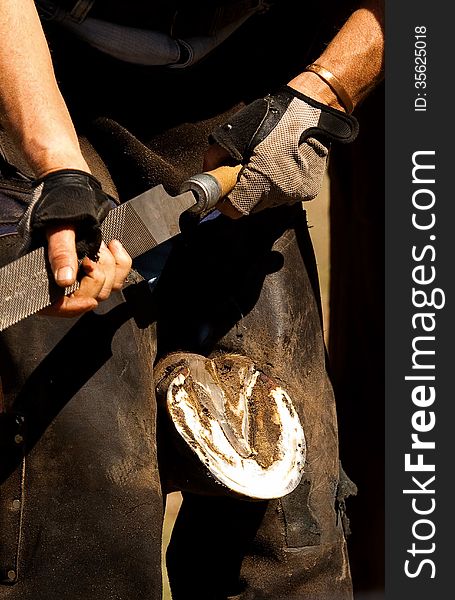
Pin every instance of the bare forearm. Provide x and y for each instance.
(355, 56)
(31, 106)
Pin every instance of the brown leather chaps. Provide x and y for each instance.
(82, 474)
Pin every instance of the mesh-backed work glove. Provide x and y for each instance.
(67, 197)
(283, 140)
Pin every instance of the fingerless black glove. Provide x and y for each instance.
(67, 197)
(283, 140)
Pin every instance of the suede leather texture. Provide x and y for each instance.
(93, 501)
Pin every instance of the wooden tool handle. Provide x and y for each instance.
(211, 186)
(226, 178)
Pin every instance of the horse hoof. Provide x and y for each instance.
(239, 423)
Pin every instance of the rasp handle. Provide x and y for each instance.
(211, 186)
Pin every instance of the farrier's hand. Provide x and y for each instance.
(66, 211)
(100, 278)
(283, 141)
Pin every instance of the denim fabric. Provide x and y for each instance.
(15, 195)
(147, 46)
(93, 510)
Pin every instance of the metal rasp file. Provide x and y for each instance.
(27, 284)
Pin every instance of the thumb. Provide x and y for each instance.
(62, 255)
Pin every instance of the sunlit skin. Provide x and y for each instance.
(355, 56)
(33, 111)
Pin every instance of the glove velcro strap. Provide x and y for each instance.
(334, 125)
(252, 124)
(236, 134)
